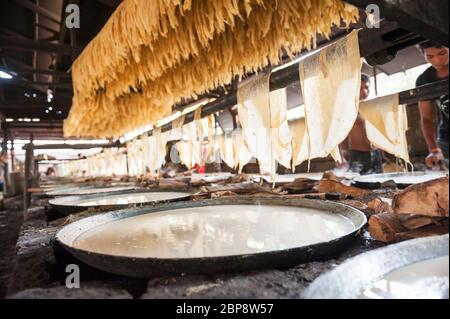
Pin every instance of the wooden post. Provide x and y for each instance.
(13, 161)
(4, 155)
(29, 167)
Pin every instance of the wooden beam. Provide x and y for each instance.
(62, 34)
(39, 9)
(12, 62)
(430, 19)
(36, 45)
(73, 36)
(75, 146)
(428, 91)
(43, 124)
(43, 27)
(35, 102)
(13, 34)
(32, 112)
(14, 81)
(34, 71)
(110, 3)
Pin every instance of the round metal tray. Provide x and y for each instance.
(355, 276)
(88, 190)
(402, 180)
(145, 267)
(114, 200)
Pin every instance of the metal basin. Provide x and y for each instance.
(402, 180)
(212, 236)
(412, 269)
(115, 200)
(88, 190)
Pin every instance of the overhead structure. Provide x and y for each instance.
(36, 53)
(153, 54)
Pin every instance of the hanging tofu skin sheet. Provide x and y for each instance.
(147, 161)
(242, 155)
(177, 129)
(330, 82)
(386, 124)
(254, 114)
(210, 156)
(134, 157)
(198, 141)
(281, 136)
(299, 141)
(227, 150)
(184, 149)
(190, 150)
(160, 140)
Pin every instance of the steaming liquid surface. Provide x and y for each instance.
(221, 230)
(423, 280)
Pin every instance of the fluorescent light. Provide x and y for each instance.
(49, 95)
(9, 120)
(4, 75)
(27, 119)
(36, 120)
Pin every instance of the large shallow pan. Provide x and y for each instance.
(402, 180)
(220, 230)
(412, 269)
(115, 200)
(88, 190)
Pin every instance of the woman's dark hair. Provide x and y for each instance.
(365, 77)
(429, 44)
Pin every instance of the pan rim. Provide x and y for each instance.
(133, 212)
(393, 257)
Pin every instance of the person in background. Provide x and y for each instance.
(436, 138)
(357, 149)
(50, 172)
